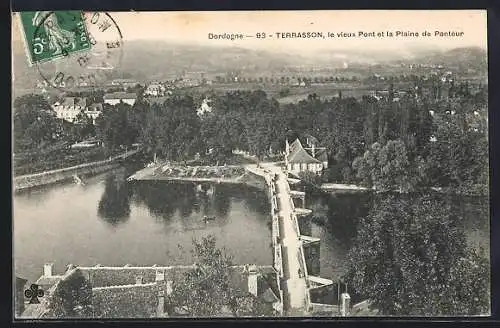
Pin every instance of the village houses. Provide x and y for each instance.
(155, 89)
(124, 83)
(117, 97)
(311, 158)
(69, 108)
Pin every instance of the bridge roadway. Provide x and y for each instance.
(295, 285)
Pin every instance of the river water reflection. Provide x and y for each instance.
(339, 215)
(112, 222)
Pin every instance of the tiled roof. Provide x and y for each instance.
(74, 101)
(295, 145)
(48, 281)
(300, 155)
(120, 95)
(269, 296)
(114, 276)
(21, 282)
(134, 301)
(115, 294)
(95, 107)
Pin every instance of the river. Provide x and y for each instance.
(340, 215)
(110, 221)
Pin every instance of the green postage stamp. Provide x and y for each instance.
(49, 35)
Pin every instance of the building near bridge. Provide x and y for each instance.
(305, 159)
(117, 97)
(143, 292)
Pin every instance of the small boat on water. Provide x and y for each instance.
(77, 180)
(208, 218)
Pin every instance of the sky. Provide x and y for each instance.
(194, 27)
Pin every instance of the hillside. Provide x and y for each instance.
(465, 57)
(157, 60)
(146, 60)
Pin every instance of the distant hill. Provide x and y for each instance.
(146, 60)
(465, 57)
(157, 60)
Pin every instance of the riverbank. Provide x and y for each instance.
(233, 174)
(478, 190)
(343, 187)
(25, 182)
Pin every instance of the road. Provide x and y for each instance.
(295, 283)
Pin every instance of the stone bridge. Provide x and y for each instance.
(290, 246)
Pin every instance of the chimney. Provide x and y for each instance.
(47, 269)
(169, 287)
(313, 152)
(160, 310)
(345, 304)
(138, 280)
(160, 275)
(252, 280)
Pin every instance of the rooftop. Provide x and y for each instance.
(95, 107)
(124, 81)
(299, 155)
(72, 102)
(117, 292)
(120, 95)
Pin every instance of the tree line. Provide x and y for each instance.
(390, 144)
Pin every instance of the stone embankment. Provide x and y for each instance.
(28, 181)
(230, 174)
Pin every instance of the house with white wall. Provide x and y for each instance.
(117, 97)
(69, 108)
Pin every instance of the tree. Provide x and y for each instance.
(206, 290)
(113, 127)
(83, 127)
(34, 122)
(410, 257)
(387, 168)
(310, 177)
(284, 92)
(72, 298)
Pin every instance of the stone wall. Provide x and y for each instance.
(40, 179)
(134, 301)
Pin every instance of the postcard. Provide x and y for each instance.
(250, 164)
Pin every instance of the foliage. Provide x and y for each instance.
(459, 157)
(388, 168)
(311, 178)
(34, 122)
(56, 159)
(72, 298)
(113, 127)
(206, 290)
(83, 127)
(114, 205)
(416, 149)
(411, 258)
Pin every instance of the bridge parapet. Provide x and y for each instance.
(297, 193)
(302, 211)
